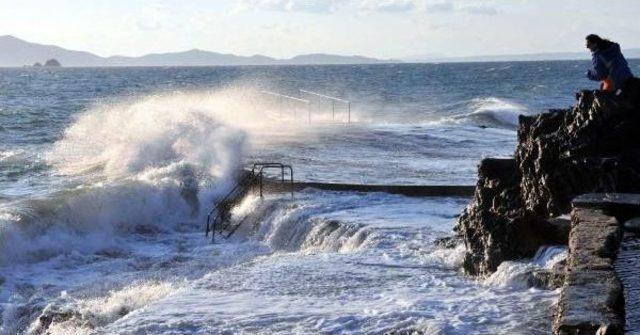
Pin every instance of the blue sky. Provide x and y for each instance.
(284, 28)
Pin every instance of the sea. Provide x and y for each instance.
(107, 176)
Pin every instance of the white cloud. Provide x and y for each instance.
(440, 7)
(310, 6)
(469, 7)
(388, 5)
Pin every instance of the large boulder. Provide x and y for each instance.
(592, 147)
(495, 227)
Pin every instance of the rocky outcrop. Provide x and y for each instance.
(592, 147)
(52, 63)
(495, 227)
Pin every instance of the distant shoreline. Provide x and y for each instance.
(293, 65)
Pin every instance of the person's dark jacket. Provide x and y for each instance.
(610, 62)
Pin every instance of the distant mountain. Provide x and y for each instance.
(15, 52)
(333, 59)
(193, 57)
(628, 53)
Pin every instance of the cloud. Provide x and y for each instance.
(309, 6)
(388, 5)
(480, 10)
(451, 7)
(445, 7)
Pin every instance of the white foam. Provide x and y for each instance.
(86, 314)
(502, 110)
(516, 273)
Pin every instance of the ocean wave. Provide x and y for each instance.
(70, 315)
(137, 166)
(487, 112)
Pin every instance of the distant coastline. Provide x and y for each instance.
(20, 53)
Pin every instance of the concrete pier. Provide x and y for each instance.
(592, 300)
(408, 190)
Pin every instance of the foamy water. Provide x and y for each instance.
(105, 185)
(325, 262)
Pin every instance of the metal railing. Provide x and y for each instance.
(333, 103)
(283, 96)
(282, 167)
(223, 207)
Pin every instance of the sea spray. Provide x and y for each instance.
(140, 165)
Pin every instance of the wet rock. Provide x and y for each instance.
(592, 147)
(449, 242)
(495, 227)
(559, 229)
(546, 279)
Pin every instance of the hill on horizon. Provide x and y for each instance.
(17, 53)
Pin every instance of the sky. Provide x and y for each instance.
(389, 29)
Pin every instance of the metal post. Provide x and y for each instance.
(213, 231)
(260, 184)
(292, 185)
(206, 232)
(333, 110)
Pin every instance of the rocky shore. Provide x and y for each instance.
(524, 203)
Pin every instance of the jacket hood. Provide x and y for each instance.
(612, 49)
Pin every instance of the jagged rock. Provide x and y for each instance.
(559, 229)
(494, 226)
(449, 242)
(593, 147)
(546, 279)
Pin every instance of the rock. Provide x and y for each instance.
(449, 242)
(592, 147)
(494, 226)
(633, 225)
(559, 229)
(52, 63)
(546, 279)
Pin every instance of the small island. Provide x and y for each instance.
(49, 63)
(52, 63)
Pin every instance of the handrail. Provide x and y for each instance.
(281, 166)
(303, 101)
(333, 103)
(210, 226)
(256, 176)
